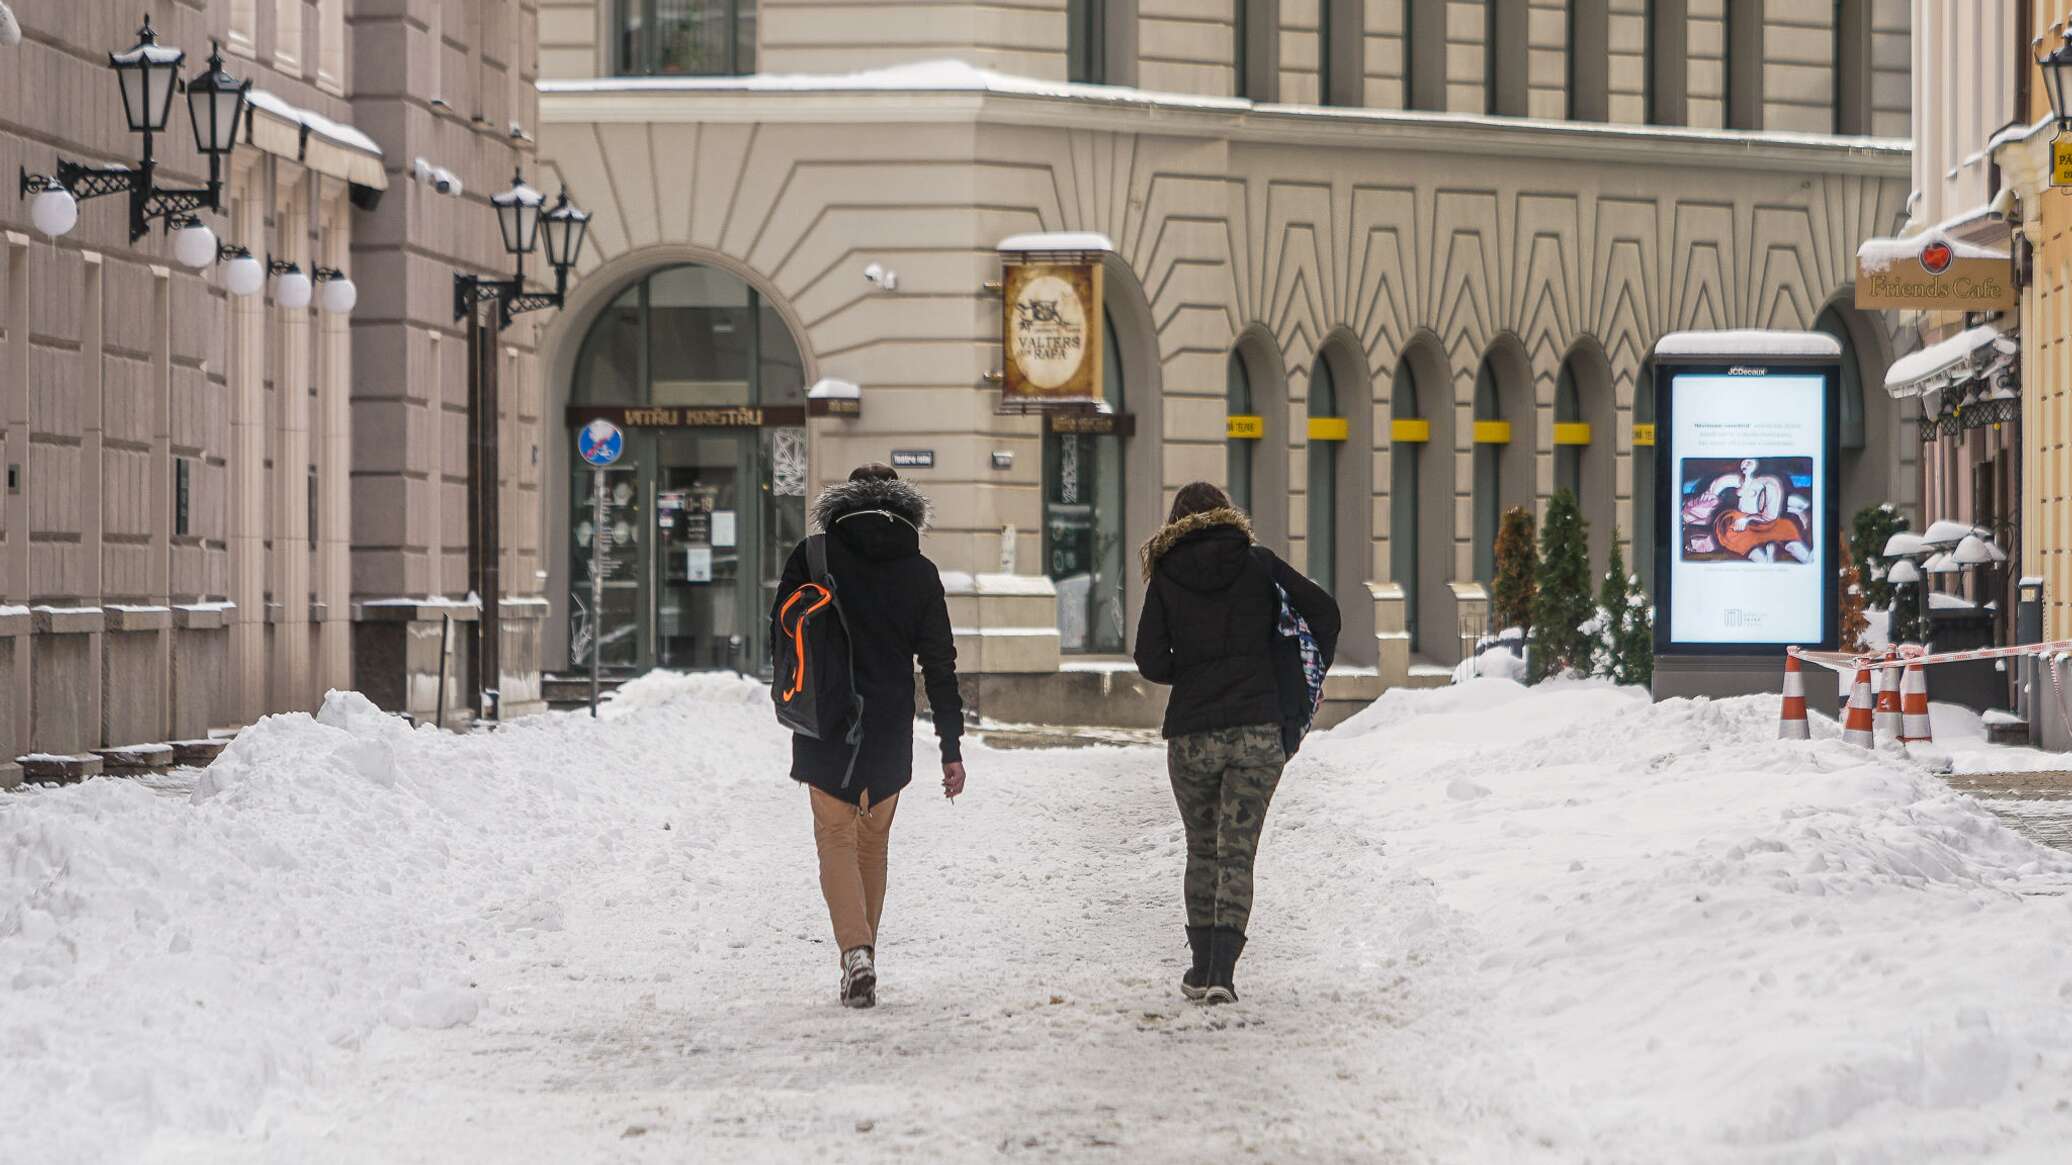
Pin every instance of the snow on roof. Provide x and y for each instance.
(2020, 132)
(316, 123)
(157, 54)
(1880, 254)
(1057, 241)
(1931, 366)
(10, 32)
(828, 388)
(1748, 343)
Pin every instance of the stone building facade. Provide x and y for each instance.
(1402, 219)
(215, 504)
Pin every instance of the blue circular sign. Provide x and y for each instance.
(600, 442)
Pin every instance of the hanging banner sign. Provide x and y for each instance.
(1051, 333)
(1932, 274)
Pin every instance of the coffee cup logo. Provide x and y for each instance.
(1936, 256)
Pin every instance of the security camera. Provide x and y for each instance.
(444, 182)
(885, 280)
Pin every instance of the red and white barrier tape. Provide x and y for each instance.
(1842, 660)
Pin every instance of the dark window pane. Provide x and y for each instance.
(608, 367)
(699, 336)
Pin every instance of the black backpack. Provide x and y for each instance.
(815, 685)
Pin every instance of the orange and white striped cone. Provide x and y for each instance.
(1792, 724)
(1885, 705)
(1857, 727)
(1915, 727)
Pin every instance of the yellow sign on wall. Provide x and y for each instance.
(1329, 429)
(1492, 432)
(1239, 427)
(2061, 161)
(1410, 430)
(1571, 432)
(1644, 434)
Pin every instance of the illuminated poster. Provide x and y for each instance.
(1751, 561)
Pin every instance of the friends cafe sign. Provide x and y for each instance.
(1050, 325)
(1933, 272)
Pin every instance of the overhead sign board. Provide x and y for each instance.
(1747, 515)
(1932, 274)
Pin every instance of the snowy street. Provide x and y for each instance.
(1492, 924)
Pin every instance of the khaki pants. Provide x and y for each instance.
(852, 842)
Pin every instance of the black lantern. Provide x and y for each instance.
(2057, 71)
(518, 215)
(216, 104)
(565, 227)
(146, 73)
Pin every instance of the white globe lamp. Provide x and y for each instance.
(340, 296)
(291, 289)
(194, 245)
(244, 276)
(54, 211)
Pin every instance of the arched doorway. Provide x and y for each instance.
(1327, 433)
(1085, 549)
(1870, 461)
(1584, 440)
(1421, 493)
(707, 382)
(1503, 438)
(1341, 490)
(1244, 428)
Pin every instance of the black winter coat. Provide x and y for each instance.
(892, 599)
(1209, 617)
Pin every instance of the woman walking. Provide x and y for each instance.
(1211, 611)
(892, 602)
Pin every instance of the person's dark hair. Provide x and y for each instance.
(874, 471)
(1199, 497)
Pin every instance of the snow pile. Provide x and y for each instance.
(1709, 944)
(170, 965)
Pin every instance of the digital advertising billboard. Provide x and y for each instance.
(1747, 524)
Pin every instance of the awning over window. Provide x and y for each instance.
(323, 145)
(1969, 355)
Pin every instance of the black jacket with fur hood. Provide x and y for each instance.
(893, 600)
(1208, 622)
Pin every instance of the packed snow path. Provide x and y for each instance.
(1560, 925)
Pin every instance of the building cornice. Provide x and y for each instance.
(639, 100)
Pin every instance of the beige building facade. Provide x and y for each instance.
(1431, 246)
(218, 506)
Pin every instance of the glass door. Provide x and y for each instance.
(704, 572)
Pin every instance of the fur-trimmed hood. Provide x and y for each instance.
(855, 497)
(1171, 533)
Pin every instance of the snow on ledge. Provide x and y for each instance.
(1057, 241)
(829, 388)
(1906, 373)
(1747, 343)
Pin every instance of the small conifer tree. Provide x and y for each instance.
(1611, 608)
(1517, 565)
(1562, 603)
(1636, 636)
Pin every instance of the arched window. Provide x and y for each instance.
(1409, 433)
(1744, 64)
(1506, 58)
(1245, 429)
(701, 517)
(695, 38)
(1568, 450)
(1852, 66)
(1085, 545)
(1489, 469)
(1327, 431)
(1589, 60)
(1667, 50)
(1424, 54)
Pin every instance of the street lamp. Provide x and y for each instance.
(521, 219)
(2056, 66)
(147, 74)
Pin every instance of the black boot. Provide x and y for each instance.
(1225, 945)
(1194, 982)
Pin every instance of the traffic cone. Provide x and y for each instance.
(1857, 727)
(1913, 704)
(1792, 725)
(1886, 703)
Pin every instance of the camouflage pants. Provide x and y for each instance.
(1223, 780)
